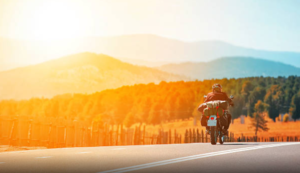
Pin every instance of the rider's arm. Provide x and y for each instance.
(207, 99)
(229, 100)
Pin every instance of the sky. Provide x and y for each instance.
(261, 24)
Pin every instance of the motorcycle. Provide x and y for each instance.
(216, 124)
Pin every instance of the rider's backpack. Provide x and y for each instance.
(215, 108)
(202, 107)
(212, 108)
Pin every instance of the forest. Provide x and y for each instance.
(158, 103)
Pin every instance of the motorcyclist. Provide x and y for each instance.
(217, 94)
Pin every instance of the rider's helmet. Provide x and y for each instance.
(217, 87)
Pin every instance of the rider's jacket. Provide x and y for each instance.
(217, 96)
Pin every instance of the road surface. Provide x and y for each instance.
(183, 158)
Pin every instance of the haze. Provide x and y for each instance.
(268, 24)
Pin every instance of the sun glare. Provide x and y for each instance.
(51, 20)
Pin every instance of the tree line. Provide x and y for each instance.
(156, 103)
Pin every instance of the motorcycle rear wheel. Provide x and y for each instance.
(213, 135)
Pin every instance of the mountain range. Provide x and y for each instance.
(139, 49)
(90, 72)
(78, 73)
(231, 67)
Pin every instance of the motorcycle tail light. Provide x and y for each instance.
(212, 118)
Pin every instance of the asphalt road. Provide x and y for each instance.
(198, 157)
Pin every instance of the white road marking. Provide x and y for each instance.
(193, 157)
(44, 157)
(2, 162)
(118, 149)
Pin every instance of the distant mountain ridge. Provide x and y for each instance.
(231, 67)
(135, 49)
(79, 73)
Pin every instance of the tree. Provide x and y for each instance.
(258, 122)
(274, 98)
(295, 107)
(257, 94)
(130, 119)
(236, 111)
(156, 114)
(247, 88)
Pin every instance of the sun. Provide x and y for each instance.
(51, 20)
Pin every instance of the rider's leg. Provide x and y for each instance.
(225, 130)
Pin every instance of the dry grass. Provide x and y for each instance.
(275, 128)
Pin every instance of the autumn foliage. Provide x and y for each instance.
(155, 104)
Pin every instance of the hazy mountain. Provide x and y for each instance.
(144, 63)
(140, 49)
(231, 67)
(79, 73)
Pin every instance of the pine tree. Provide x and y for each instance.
(274, 97)
(295, 107)
(258, 122)
(239, 103)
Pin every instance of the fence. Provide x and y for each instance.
(267, 139)
(59, 132)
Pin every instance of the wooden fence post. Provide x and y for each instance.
(23, 130)
(52, 132)
(144, 135)
(129, 136)
(202, 136)
(194, 136)
(152, 139)
(70, 133)
(122, 135)
(135, 136)
(190, 136)
(104, 138)
(198, 136)
(111, 134)
(11, 132)
(170, 137)
(175, 137)
(139, 135)
(158, 137)
(162, 136)
(186, 136)
(35, 132)
(45, 129)
(6, 129)
(117, 135)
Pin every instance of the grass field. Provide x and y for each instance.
(275, 128)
